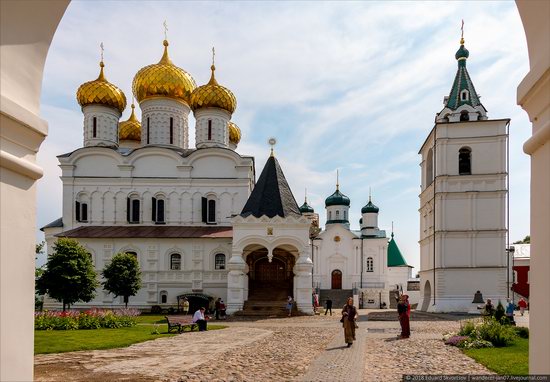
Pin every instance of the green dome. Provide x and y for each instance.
(369, 208)
(306, 208)
(462, 53)
(337, 199)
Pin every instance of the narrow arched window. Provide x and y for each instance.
(94, 132)
(345, 215)
(429, 167)
(157, 209)
(464, 95)
(175, 262)
(337, 215)
(209, 129)
(133, 209)
(330, 215)
(171, 130)
(148, 130)
(163, 297)
(219, 261)
(465, 161)
(211, 211)
(370, 264)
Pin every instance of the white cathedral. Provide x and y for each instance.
(197, 220)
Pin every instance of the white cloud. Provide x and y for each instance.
(351, 85)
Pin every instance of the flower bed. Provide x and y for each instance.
(89, 319)
(484, 333)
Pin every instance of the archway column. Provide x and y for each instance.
(237, 283)
(302, 282)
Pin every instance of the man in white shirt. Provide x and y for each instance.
(200, 320)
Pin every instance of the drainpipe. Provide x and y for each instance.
(435, 183)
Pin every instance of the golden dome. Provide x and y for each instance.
(163, 80)
(101, 92)
(213, 95)
(234, 133)
(130, 129)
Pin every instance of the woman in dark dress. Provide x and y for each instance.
(404, 309)
(349, 316)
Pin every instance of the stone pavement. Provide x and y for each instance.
(338, 363)
(286, 349)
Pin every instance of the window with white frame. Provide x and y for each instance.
(219, 261)
(157, 209)
(370, 264)
(81, 211)
(163, 297)
(175, 262)
(209, 210)
(464, 95)
(133, 209)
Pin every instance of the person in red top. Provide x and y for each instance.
(522, 305)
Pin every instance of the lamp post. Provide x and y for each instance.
(509, 252)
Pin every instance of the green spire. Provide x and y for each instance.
(463, 91)
(395, 258)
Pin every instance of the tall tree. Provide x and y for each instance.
(526, 240)
(122, 276)
(69, 276)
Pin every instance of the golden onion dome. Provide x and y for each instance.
(101, 92)
(234, 133)
(213, 95)
(130, 129)
(163, 79)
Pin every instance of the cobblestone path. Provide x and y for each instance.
(289, 349)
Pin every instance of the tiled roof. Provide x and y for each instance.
(272, 195)
(156, 231)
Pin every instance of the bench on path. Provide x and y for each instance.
(180, 323)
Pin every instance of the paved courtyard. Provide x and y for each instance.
(289, 349)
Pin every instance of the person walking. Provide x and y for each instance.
(404, 311)
(315, 302)
(289, 305)
(217, 308)
(328, 304)
(185, 306)
(510, 307)
(349, 316)
(522, 305)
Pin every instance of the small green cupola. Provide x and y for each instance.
(395, 258)
(369, 208)
(306, 208)
(462, 104)
(337, 199)
(337, 207)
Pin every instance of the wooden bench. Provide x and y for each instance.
(180, 323)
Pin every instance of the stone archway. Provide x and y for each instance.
(427, 297)
(270, 275)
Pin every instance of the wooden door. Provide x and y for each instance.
(336, 279)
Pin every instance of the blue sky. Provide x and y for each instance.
(352, 86)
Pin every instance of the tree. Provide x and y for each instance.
(69, 276)
(526, 240)
(122, 276)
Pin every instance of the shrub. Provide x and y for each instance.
(492, 331)
(156, 309)
(522, 332)
(456, 340)
(474, 343)
(468, 329)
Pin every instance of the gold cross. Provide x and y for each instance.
(102, 49)
(462, 30)
(165, 30)
(213, 55)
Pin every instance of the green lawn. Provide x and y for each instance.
(513, 360)
(60, 341)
